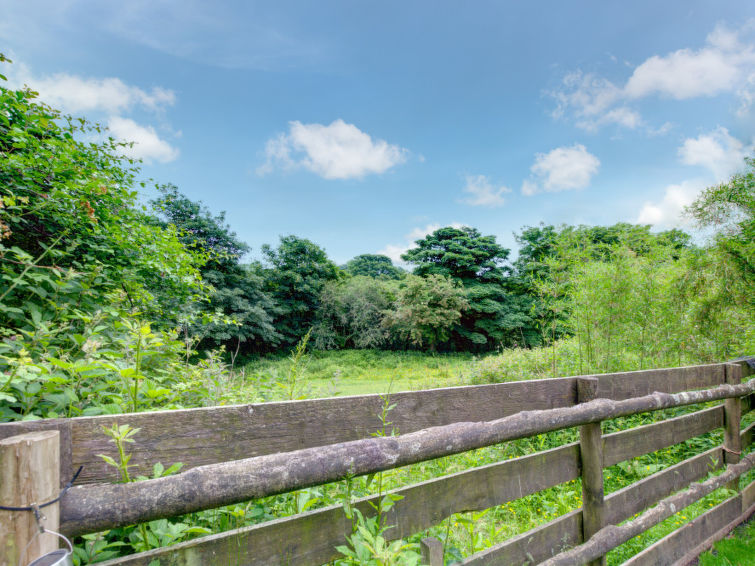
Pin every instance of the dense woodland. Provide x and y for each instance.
(106, 298)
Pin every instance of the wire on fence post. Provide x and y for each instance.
(30, 468)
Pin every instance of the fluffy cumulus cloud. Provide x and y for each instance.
(718, 151)
(395, 251)
(145, 143)
(725, 64)
(561, 169)
(108, 99)
(336, 151)
(482, 192)
(669, 211)
(76, 95)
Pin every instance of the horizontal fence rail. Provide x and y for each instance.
(686, 543)
(612, 536)
(197, 437)
(310, 539)
(280, 447)
(101, 507)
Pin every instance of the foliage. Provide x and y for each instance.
(739, 549)
(71, 232)
(293, 383)
(459, 253)
(496, 314)
(296, 274)
(94, 288)
(426, 309)
(730, 209)
(371, 265)
(367, 544)
(237, 290)
(351, 313)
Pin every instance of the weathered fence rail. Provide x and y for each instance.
(219, 434)
(236, 453)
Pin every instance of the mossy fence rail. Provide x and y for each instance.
(233, 454)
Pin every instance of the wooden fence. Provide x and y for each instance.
(233, 454)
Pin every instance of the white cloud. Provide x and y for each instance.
(395, 251)
(111, 98)
(337, 151)
(725, 64)
(718, 151)
(622, 116)
(561, 169)
(483, 193)
(147, 144)
(586, 95)
(75, 95)
(717, 67)
(668, 212)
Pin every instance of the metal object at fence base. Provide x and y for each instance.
(60, 557)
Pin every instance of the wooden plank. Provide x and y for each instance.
(203, 436)
(310, 538)
(101, 507)
(427, 504)
(676, 546)
(732, 421)
(432, 551)
(640, 495)
(535, 545)
(63, 426)
(222, 434)
(748, 495)
(745, 404)
(638, 383)
(650, 438)
(691, 558)
(615, 535)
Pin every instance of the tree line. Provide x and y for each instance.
(81, 259)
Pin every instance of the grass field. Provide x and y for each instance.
(357, 372)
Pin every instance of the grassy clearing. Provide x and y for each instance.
(357, 372)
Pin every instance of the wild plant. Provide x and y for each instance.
(144, 536)
(367, 544)
(293, 385)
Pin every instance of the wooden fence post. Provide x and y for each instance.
(732, 419)
(591, 453)
(29, 473)
(432, 552)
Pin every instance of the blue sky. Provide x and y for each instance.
(364, 125)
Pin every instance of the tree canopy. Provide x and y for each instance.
(372, 265)
(295, 276)
(461, 253)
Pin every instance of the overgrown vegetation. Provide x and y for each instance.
(111, 306)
